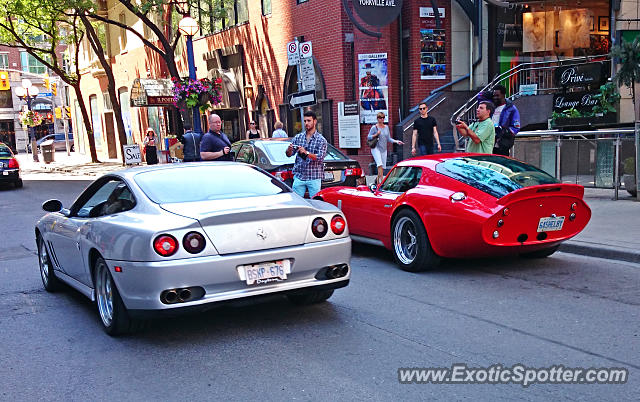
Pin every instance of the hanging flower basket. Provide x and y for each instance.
(202, 93)
(30, 118)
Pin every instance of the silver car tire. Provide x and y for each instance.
(49, 280)
(310, 297)
(111, 310)
(410, 243)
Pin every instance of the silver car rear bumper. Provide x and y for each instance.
(141, 283)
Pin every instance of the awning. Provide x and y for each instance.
(151, 92)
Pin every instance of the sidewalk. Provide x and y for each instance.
(613, 232)
(73, 166)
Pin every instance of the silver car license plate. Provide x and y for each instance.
(550, 224)
(328, 176)
(265, 272)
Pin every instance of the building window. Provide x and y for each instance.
(211, 20)
(4, 61)
(266, 7)
(122, 18)
(31, 64)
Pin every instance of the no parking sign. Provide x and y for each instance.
(305, 50)
(293, 56)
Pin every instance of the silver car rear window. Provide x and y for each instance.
(207, 182)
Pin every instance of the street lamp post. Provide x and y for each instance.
(189, 27)
(27, 91)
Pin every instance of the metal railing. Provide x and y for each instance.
(540, 73)
(589, 158)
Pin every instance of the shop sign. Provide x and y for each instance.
(581, 101)
(348, 125)
(132, 154)
(151, 92)
(378, 13)
(579, 75)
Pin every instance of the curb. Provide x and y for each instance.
(600, 251)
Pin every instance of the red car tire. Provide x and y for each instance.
(410, 243)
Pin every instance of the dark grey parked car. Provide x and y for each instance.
(58, 142)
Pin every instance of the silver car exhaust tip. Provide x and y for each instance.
(333, 272)
(170, 296)
(185, 295)
(182, 295)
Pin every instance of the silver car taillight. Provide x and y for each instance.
(193, 242)
(319, 227)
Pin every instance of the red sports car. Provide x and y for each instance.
(462, 206)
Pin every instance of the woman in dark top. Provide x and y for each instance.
(253, 132)
(150, 150)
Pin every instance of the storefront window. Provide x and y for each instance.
(546, 31)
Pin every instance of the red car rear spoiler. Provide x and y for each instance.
(574, 190)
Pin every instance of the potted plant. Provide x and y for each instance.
(629, 175)
(202, 93)
(30, 118)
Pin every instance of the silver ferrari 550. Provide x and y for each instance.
(187, 235)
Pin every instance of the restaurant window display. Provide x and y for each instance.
(549, 31)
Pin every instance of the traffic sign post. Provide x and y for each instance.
(293, 56)
(302, 99)
(308, 74)
(306, 50)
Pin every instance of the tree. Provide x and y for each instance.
(40, 27)
(628, 74)
(164, 27)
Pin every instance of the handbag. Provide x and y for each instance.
(372, 142)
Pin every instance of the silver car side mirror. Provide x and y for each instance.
(52, 205)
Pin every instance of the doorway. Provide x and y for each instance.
(111, 135)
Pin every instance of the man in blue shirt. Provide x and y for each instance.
(215, 145)
(506, 120)
(191, 144)
(311, 147)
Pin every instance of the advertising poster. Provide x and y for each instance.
(538, 31)
(374, 90)
(348, 125)
(432, 45)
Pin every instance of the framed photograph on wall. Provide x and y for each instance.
(603, 23)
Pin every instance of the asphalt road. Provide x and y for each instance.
(566, 309)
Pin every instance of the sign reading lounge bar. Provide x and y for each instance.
(149, 92)
(581, 101)
(580, 75)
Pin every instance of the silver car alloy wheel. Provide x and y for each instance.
(405, 240)
(44, 262)
(104, 294)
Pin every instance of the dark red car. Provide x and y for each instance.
(462, 206)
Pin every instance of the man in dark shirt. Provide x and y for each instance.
(424, 131)
(215, 146)
(191, 144)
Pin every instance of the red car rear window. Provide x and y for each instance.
(493, 174)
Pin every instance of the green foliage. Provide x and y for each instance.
(628, 54)
(607, 98)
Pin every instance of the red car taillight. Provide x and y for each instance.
(165, 245)
(338, 224)
(283, 174)
(319, 227)
(353, 172)
(193, 242)
(13, 163)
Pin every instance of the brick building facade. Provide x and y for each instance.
(251, 58)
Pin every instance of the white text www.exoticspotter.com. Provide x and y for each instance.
(460, 373)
